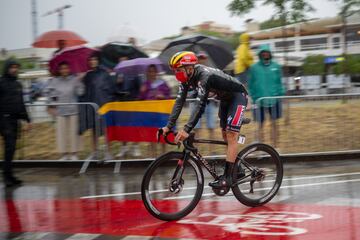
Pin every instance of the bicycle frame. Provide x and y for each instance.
(189, 148)
(191, 151)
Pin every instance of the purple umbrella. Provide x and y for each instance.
(138, 66)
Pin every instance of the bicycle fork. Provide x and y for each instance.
(177, 182)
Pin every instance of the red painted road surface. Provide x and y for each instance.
(210, 220)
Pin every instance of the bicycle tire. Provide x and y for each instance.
(280, 171)
(145, 187)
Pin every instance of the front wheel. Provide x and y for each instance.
(257, 175)
(172, 186)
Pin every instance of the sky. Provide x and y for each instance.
(99, 20)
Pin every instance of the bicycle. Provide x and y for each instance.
(257, 177)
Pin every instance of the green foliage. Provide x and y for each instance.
(232, 40)
(285, 10)
(271, 23)
(299, 10)
(348, 7)
(211, 33)
(241, 7)
(350, 66)
(314, 65)
(172, 37)
(26, 64)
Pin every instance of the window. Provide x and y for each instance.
(313, 44)
(352, 34)
(336, 42)
(285, 46)
(255, 47)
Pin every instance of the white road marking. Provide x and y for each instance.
(337, 201)
(83, 236)
(190, 188)
(261, 189)
(31, 235)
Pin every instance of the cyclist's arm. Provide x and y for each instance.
(179, 103)
(199, 107)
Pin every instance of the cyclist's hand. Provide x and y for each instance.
(181, 136)
(165, 130)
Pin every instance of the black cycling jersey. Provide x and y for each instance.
(205, 80)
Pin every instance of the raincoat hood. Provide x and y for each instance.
(7, 65)
(244, 38)
(264, 48)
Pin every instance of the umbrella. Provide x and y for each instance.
(50, 39)
(111, 52)
(75, 56)
(220, 52)
(138, 66)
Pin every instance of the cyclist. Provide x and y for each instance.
(209, 82)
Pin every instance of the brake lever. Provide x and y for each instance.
(158, 134)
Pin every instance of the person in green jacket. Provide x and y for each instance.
(265, 81)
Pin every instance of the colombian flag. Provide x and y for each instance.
(135, 121)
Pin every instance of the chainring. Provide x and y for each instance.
(221, 191)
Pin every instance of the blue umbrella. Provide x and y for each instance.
(138, 66)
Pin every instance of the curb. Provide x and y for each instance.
(308, 157)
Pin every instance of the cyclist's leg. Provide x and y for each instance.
(234, 120)
(235, 113)
(223, 113)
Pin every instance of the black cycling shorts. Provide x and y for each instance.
(231, 112)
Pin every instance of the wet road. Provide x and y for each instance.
(317, 200)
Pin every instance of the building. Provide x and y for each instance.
(314, 37)
(208, 26)
(318, 36)
(154, 48)
(37, 54)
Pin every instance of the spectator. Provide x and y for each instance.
(244, 58)
(65, 88)
(265, 81)
(154, 88)
(130, 86)
(210, 110)
(61, 46)
(12, 109)
(100, 88)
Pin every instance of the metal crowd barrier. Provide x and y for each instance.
(312, 124)
(309, 124)
(38, 145)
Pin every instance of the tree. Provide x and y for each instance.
(350, 66)
(285, 11)
(314, 65)
(271, 23)
(347, 9)
(26, 64)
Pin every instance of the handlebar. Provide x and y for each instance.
(160, 133)
(188, 143)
